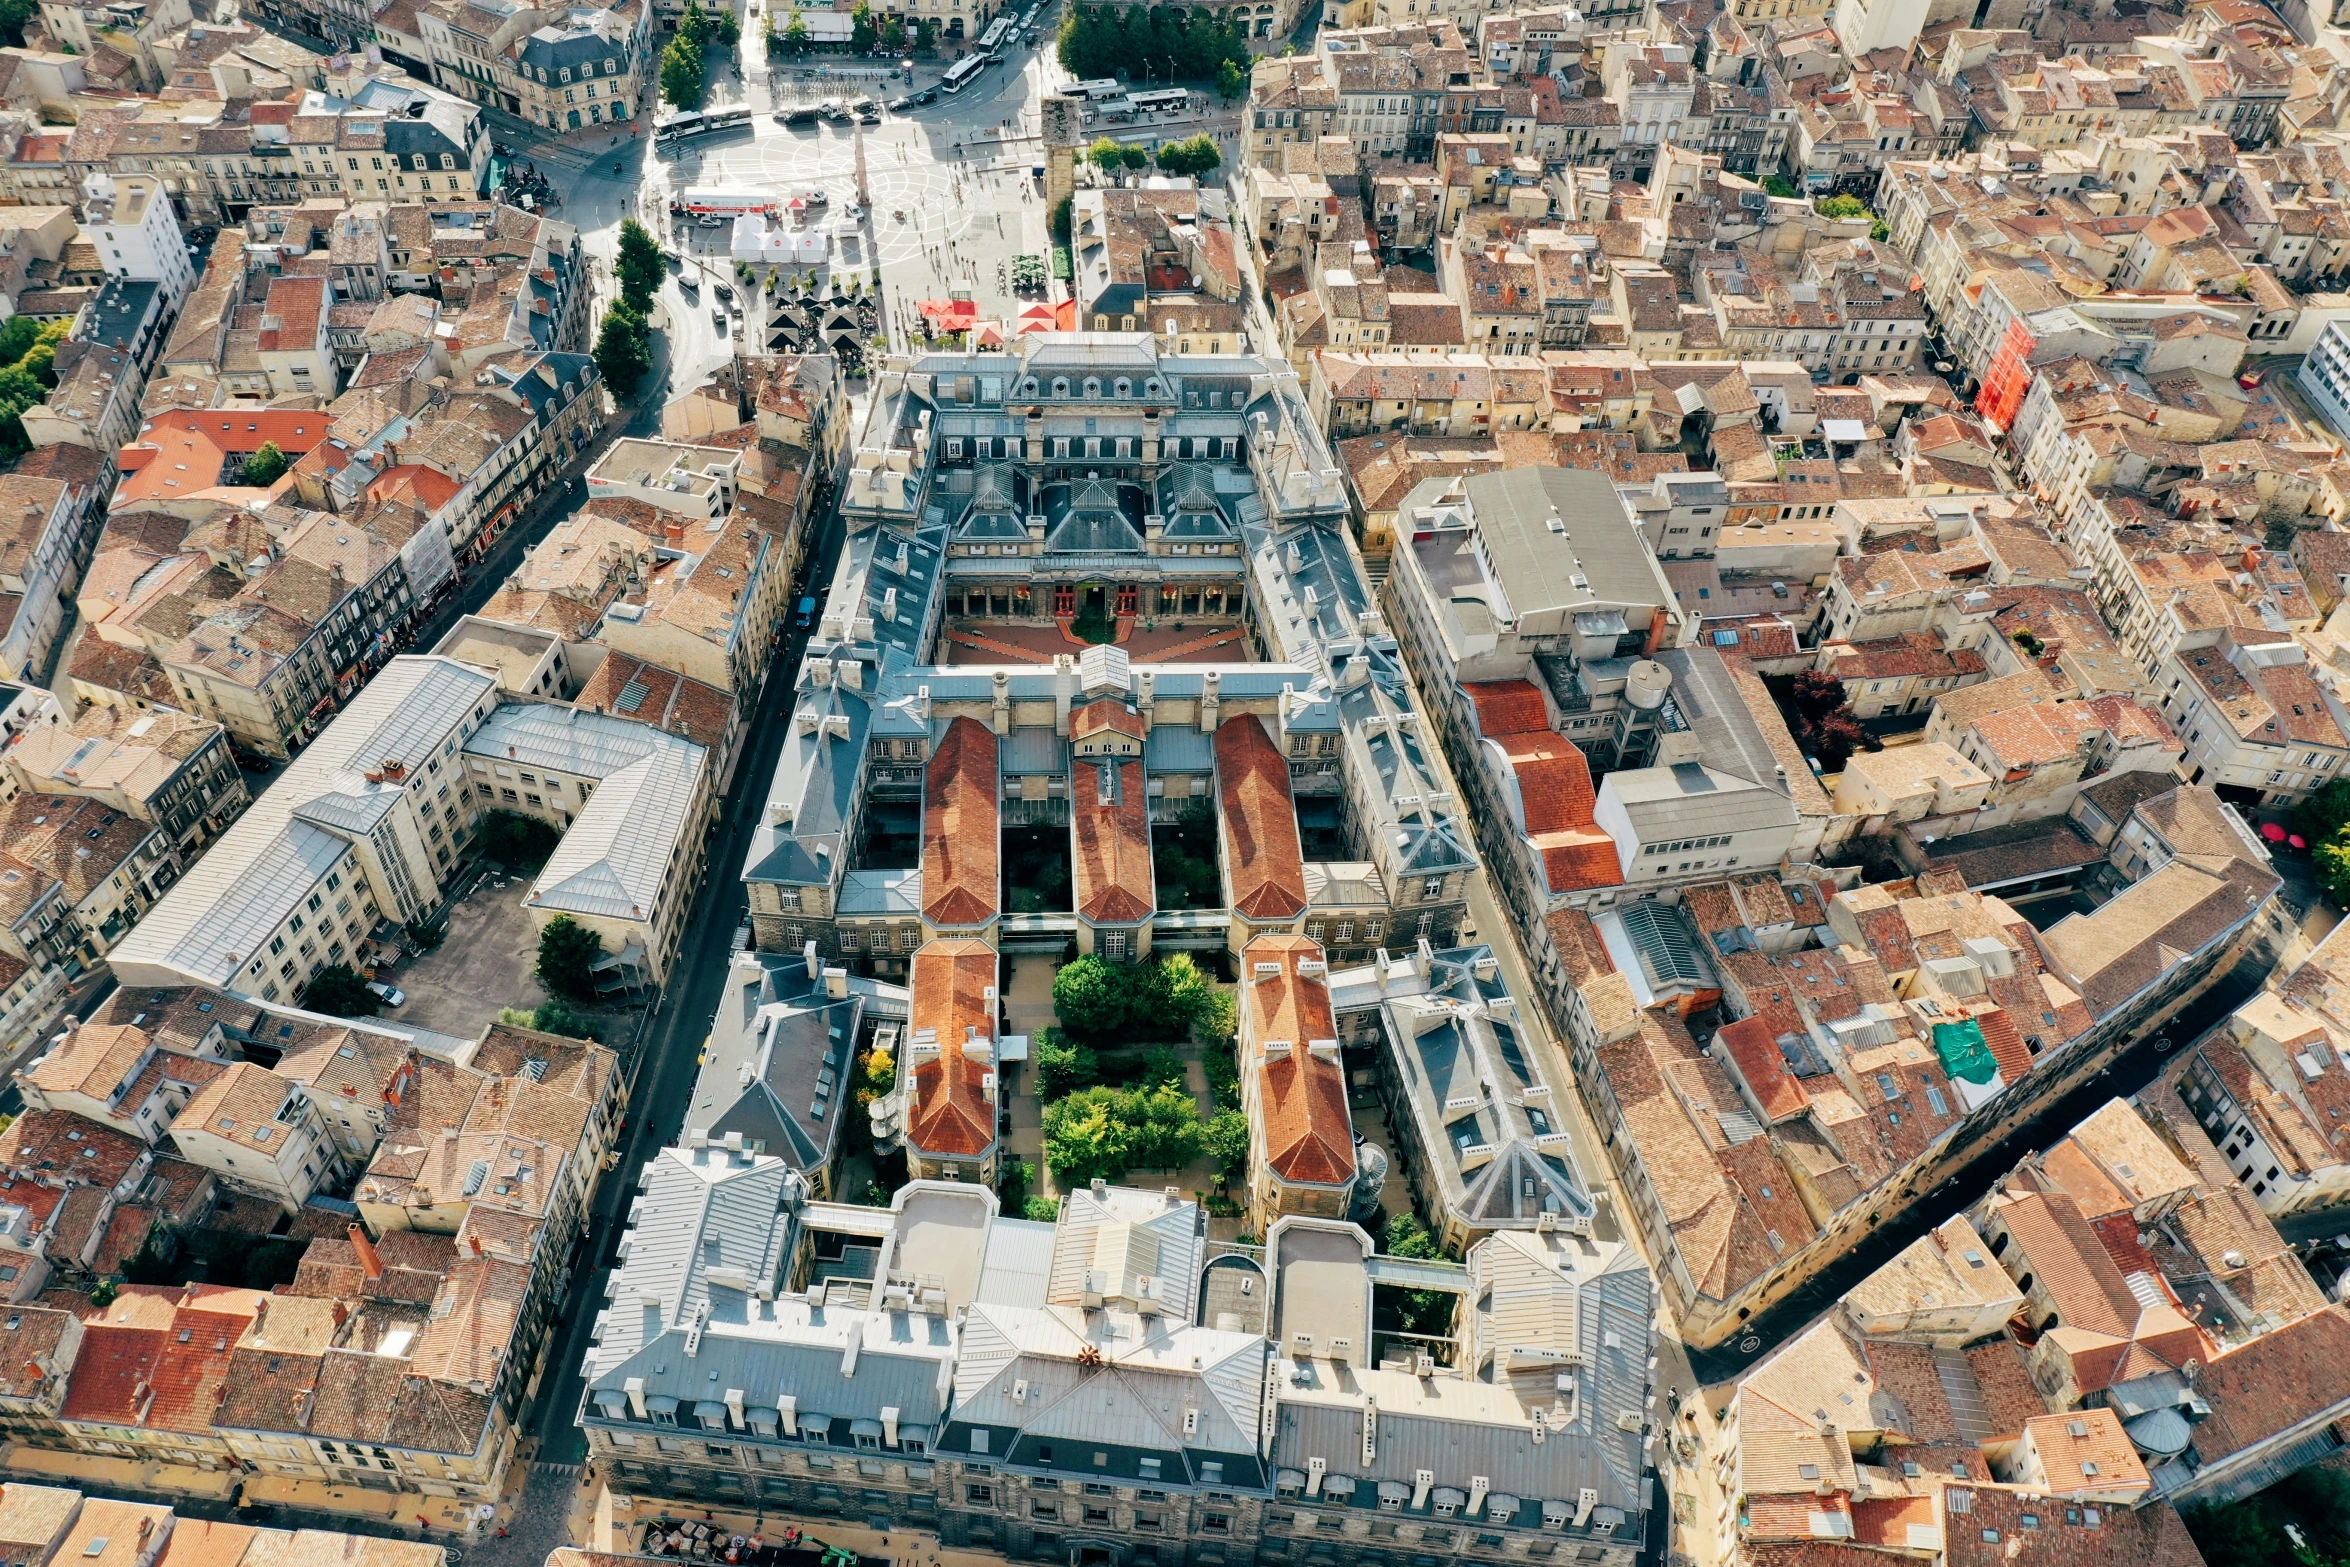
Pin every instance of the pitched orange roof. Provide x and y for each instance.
(1262, 854)
(1764, 1066)
(953, 1110)
(1554, 786)
(961, 875)
(1110, 831)
(1094, 717)
(430, 486)
(1301, 1091)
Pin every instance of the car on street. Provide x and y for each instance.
(834, 109)
(868, 116)
(710, 220)
(389, 995)
(813, 197)
(719, 316)
(901, 105)
(926, 95)
(805, 615)
(862, 105)
(799, 116)
(723, 292)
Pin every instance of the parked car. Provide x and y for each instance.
(868, 116)
(799, 116)
(719, 316)
(723, 292)
(927, 95)
(389, 995)
(901, 105)
(805, 615)
(814, 198)
(710, 220)
(862, 105)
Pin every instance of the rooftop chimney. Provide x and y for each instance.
(368, 1260)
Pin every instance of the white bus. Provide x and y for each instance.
(964, 72)
(1101, 87)
(675, 128)
(991, 42)
(1162, 100)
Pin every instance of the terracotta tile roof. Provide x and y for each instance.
(1301, 1095)
(962, 880)
(2274, 1382)
(952, 1109)
(66, 1148)
(1764, 1067)
(662, 697)
(1555, 796)
(1110, 831)
(2086, 1450)
(1094, 717)
(1263, 858)
(191, 1369)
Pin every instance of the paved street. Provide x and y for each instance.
(673, 1042)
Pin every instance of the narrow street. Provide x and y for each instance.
(672, 1042)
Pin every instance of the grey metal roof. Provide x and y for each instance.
(777, 1061)
(207, 925)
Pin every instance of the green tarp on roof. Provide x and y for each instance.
(1964, 1054)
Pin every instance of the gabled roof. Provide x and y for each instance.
(1263, 858)
(961, 870)
(952, 1109)
(1109, 820)
(1293, 1038)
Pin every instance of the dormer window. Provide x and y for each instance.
(1093, 386)
(1125, 387)
(1060, 386)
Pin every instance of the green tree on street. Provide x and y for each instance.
(638, 267)
(624, 348)
(1231, 80)
(1195, 155)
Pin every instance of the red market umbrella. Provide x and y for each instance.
(2272, 832)
(2296, 841)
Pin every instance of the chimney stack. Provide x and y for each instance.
(372, 1264)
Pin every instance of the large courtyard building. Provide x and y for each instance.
(999, 504)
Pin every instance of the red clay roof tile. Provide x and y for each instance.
(961, 876)
(1263, 857)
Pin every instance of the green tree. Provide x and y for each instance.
(1162, 1065)
(2325, 812)
(266, 465)
(681, 72)
(726, 27)
(550, 1017)
(926, 34)
(1089, 997)
(863, 35)
(1040, 1210)
(1406, 1236)
(1195, 156)
(103, 1292)
(638, 266)
(338, 991)
(795, 34)
(881, 1075)
(1062, 1065)
(1226, 1137)
(1104, 1132)
(1424, 1311)
(567, 949)
(1231, 80)
(1013, 1178)
(2331, 861)
(624, 348)
(516, 841)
